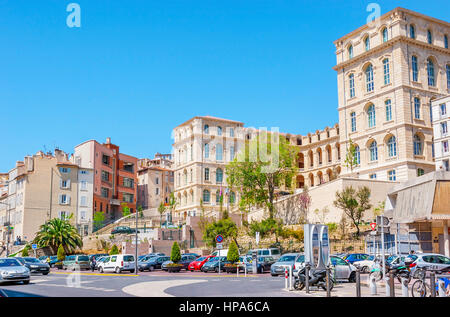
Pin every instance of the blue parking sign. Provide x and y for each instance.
(34, 246)
(219, 238)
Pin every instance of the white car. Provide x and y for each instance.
(12, 271)
(117, 263)
(343, 270)
(365, 265)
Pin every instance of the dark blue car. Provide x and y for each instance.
(353, 257)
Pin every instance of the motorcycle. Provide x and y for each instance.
(316, 278)
(399, 271)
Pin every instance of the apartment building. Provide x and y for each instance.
(441, 124)
(155, 181)
(41, 187)
(389, 72)
(114, 177)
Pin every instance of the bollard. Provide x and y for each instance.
(307, 267)
(358, 282)
(387, 285)
(442, 290)
(433, 284)
(328, 282)
(245, 270)
(391, 285)
(290, 278)
(373, 285)
(405, 287)
(286, 278)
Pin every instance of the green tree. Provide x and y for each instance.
(260, 168)
(61, 255)
(351, 160)
(25, 250)
(233, 253)
(354, 203)
(161, 210)
(114, 250)
(140, 210)
(57, 232)
(172, 205)
(224, 227)
(125, 210)
(175, 254)
(265, 227)
(99, 218)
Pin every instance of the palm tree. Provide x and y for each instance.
(56, 232)
(161, 210)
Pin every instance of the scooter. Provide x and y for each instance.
(316, 278)
(398, 270)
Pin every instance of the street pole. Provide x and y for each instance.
(136, 248)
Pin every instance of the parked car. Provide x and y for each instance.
(34, 265)
(273, 252)
(99, 260)
(223, 252)
(152, 263)
(277, 268)
(186, 259)
(195, 254)
(97, 256)
(343, 270)
(263, 264)
(72, 262)
(11, 270)
(146, 257)
(197, 264)
(430, 261)
(365, 265)
(299, 262)
(353, 257)
(117, 263)
(213, 264)
(123, 229)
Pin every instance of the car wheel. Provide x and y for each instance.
(26, 282)
(100, 269)
(216, 270)
(299, 285)
(273, 274)
(117, 270)
(151, 268)
(352, 278)
(52, 265)
(365, 269)
(46, 273)
(131, 271)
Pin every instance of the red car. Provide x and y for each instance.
(198, 263)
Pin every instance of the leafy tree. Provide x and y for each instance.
(99, 218)
(161, 210)
(354, 203)
(351, 160)
(332, 228)
(322, 214)
(172, 204)
(175, 254)
(233, 253)
(141, 213)
(265, 227)
(260, 168)
(56, 232)
(114, 250)
(125, 210)
(61, 255)
(224, 227)
(25, 250)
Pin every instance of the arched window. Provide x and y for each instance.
(206, 150)
(416, 108)
(219, 130)
(429, 37)
(371, 116)
(232, 198)
(367, 43)
(350, 52)
(218, 196)
(219, 175)
(412, 32)
(351, 79)
(388, 110)
(385, 35)
(446, 41)
(392, 146)
(206, 129)
(415, 71)
(387, 78)
(219, 152)
(430, 71)
(353, 120)
(206, 196)
(357, 155)
(417, 145)
(373, 149)
(369, 78)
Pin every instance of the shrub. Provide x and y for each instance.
(175, 254)
(25, 251)
(233, 253)
(114, 250)
(61, 253)
(266, 226)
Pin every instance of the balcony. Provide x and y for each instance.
(114, 202)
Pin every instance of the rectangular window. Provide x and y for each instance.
(128, 198)
(353, 121)
(415, 72)
(231, 153)
(443, 109)
(63, 214)
(446, 165)
(63, 199)
(83, 201)
(231, 133)
(64, 170)
(129, 167)
(105, 176)
(391, 175)
(83, 215)
(388, 110)
(128, 182)
(83, 185)
(445, 146)
(105, 159)
(105, 192)
(157, 181)
(373, 176)
(206, 174)
(65, 184)
(444, 129)
(417, 108)
(386, 72)
(157, 191)
(206, 150)
(352, 85)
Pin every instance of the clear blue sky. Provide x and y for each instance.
(136, 69)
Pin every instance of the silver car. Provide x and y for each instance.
(286, 259)
(430, 261)
(12, 271)
(342, 270)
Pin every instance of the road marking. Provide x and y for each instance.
(156, 288)
(95, 274)
(81, 287)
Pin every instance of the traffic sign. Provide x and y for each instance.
(34, 246)
(373, 225)
(382, 221)
(219, 246)
(219, 238)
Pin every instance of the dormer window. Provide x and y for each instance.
(385, 35)
(350, 52)
(412, 32)
(429, 37)
(206, 129)
(367, 43)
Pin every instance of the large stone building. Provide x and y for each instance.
(388, 73)
(115, 177)
(441, 124)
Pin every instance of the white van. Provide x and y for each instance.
(223, 252)
(117, 263)
(273, 252)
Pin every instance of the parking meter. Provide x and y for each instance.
(254, 262)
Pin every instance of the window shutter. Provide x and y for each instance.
(60, 198)
(68, 200)
(68, 183)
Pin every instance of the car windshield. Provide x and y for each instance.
(32, 260)
(201, 258)
(128, 258)
(371, 258)
(9, 262)
(83, 258)
(391, 258)
(287, 258)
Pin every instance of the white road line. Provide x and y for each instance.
(156, 288)
(82, 287)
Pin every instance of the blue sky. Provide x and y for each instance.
(136, 69)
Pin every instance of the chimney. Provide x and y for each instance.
(108, 140)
